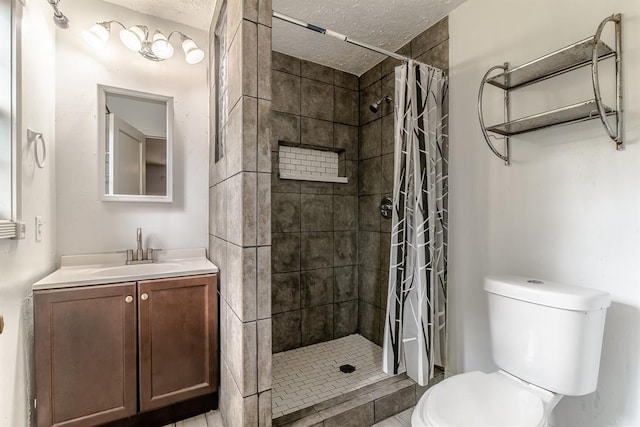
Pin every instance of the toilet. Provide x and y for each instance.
(546, 339)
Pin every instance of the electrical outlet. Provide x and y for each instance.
(39, 228)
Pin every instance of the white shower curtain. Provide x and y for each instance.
(415, 328)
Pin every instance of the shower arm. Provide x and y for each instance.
(344, 38)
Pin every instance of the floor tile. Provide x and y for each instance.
(198, 421)
(404, 415)
(308, 375)
(214, 419)
(210, 419)
(403, 419)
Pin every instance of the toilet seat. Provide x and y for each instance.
(480, 400)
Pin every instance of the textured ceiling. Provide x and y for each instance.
(389, 24)
(195, 13)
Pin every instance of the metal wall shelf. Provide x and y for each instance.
(561, 61)
(570, 114)
(589, 51)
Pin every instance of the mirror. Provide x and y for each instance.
(136, 140)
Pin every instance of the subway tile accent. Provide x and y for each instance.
(317, 164)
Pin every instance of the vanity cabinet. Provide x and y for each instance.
(107, 352)
(177, 324)
(85, 354)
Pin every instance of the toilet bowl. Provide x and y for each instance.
(546, 338)
(484, 400)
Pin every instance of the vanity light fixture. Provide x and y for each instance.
(136, 38)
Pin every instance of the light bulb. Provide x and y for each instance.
(161, 46)
(192, 53)
(97, 36)
(133, 37)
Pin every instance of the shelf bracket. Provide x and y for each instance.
(504, 156)
(616, 135)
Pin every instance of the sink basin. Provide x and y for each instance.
(97, 269)
(136, 269)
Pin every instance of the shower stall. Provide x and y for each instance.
(331, 241)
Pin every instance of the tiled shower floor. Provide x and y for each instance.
(309, 375)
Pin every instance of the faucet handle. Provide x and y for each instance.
(150, 254)
(129, 255)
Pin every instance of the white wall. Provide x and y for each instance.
(85, 224)
(23, 262)
(568, 209)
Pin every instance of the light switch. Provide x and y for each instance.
(21, 230)
(39, 228)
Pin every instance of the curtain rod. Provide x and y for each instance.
(338, 36)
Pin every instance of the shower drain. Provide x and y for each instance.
(347, 369)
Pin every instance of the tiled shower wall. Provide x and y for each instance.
(376, 174)
(313, 224)
(239, 213)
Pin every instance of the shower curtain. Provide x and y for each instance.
(415, 324)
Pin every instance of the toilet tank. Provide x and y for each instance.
(547, 334)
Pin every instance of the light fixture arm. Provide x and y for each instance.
(172, 33)
(146, 31)
(124, 27)
(107, 24)
(183, 36)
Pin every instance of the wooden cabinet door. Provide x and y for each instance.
(177, 321)
(85, 354)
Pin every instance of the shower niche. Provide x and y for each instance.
(311, 163)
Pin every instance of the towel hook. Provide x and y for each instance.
(33, 136)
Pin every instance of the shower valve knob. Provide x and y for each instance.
(386, 208)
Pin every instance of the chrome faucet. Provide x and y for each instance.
(139, 257)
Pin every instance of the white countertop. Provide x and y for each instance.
(95, 269)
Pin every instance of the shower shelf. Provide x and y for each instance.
(589, 51)
(305, 162)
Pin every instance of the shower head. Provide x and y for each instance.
(376, 105)
(59, 18)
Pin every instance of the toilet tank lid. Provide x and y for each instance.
(547, 293)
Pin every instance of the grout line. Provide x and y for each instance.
(333, 83)
(257, 196)
(293, 379)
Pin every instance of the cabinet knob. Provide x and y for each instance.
(128, 299)
(144, 297)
